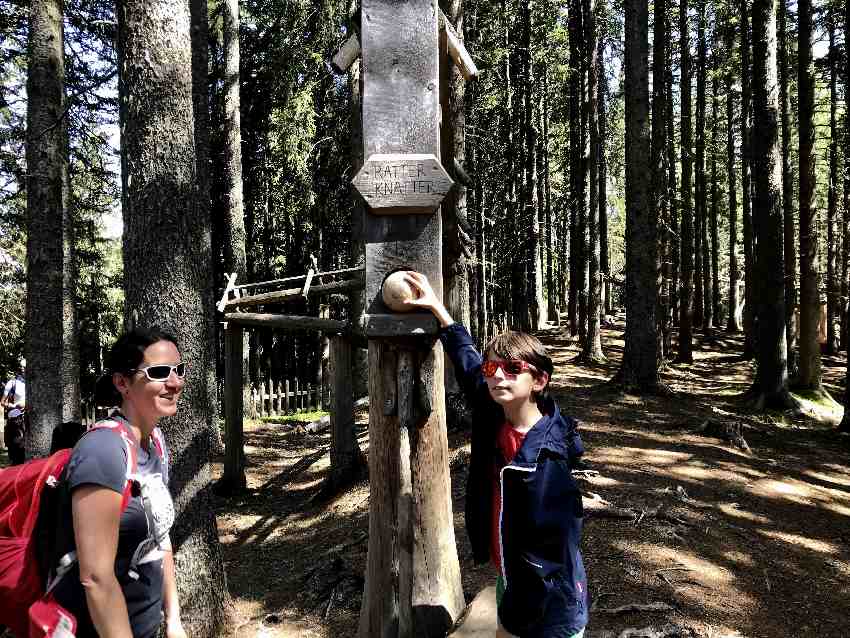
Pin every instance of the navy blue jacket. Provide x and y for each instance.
(541, 518)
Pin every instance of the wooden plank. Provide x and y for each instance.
(231, 280)
(297, 397)
(293, 323)
(347, 54)
(291, 294)
(234, 459)
(457, 50)
(402, 183)
(398, 325)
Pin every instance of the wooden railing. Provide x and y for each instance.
(275, 398)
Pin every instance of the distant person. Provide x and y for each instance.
(523, 508)
(14, 403)
(122, 582)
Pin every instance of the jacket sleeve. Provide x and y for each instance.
(466, 359)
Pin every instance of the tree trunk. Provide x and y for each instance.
(787, 195)
(604, 267)
(51, 347)
(553, 308)
(844, 426)
(672, 213)
(234, 222)
(832, 291)
(715, 188)
(592, 347)
(686, 300)
(771, 384)
(659, 192)
(750, 297)
(809, 376)
(702, 308)
(166, 259)
(575, 26)
(457, 248)
(639, 369)
(733, 322)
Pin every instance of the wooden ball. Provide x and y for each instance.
(396, 291)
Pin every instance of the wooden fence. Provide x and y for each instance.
(275, 398)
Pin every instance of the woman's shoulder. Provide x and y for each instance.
(100, 458)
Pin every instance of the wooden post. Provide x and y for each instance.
(346, 458)
(297, 407)
(286, 396)
(234, 459)
(276, 409)
(415, 589)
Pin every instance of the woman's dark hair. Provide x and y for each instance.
(126, 354)
(525, 347)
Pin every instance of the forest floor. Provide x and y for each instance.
(753, 545)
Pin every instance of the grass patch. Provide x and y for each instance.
(297, 417)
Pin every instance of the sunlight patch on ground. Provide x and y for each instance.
(843, 478)
(731, 509)
(814, 545)
(691, 472)
(634, 455)
(740, 558)
(826, 410)
(804, 494)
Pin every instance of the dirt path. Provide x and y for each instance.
(751, 545)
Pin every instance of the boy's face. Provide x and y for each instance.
(509, 389)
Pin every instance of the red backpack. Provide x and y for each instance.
(26, 605)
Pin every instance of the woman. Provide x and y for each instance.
(123, 579)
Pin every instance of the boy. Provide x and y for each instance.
(523, 508)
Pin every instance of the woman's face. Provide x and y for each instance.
(150, 400)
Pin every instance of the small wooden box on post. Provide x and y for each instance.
(413, 585)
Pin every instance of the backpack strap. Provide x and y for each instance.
(122, 428)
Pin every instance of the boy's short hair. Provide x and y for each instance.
(512, 344)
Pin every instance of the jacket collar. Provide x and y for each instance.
(554, 433)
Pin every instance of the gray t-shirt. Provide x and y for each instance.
(100, 458)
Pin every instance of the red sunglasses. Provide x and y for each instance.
(511, 367)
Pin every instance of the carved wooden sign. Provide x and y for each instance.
(403, 183)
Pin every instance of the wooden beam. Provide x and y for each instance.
(347, 54)
(294, 323)
(291, 294)
(274, 282)
(460, 56)
(397, 325)
(231, 281)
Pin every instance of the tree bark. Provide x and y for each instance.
(809, 376)
(672, 213)
(686, 300)
(604, 267)
(167, 265)
(639, 369)
(51, 346)
(771, 384)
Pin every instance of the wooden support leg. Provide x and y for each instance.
(234, 460)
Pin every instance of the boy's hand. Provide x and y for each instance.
(426, 297)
